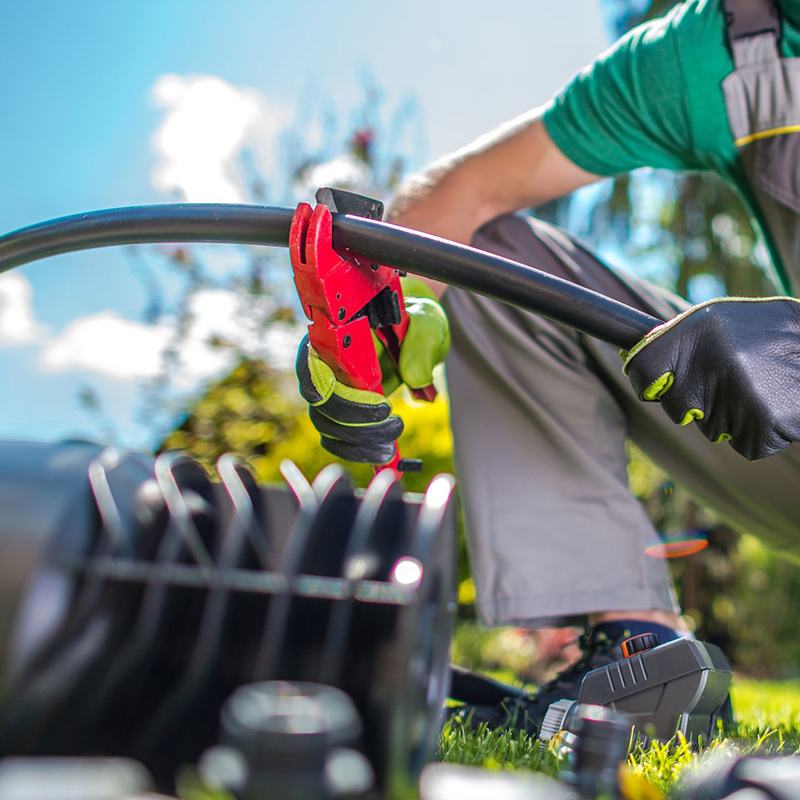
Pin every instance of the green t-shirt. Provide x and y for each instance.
(654, 99)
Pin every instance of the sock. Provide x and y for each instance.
(625, 628)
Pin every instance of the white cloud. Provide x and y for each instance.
(108, 344)
(208, 123)
(344, 171)
(17, 325)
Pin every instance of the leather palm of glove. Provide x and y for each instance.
(733, 366)
(358, 425)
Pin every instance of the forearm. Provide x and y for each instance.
(445, 200)
(513, 167)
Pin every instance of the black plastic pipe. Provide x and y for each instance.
(494, 276)
(180, 222)
(411, 251)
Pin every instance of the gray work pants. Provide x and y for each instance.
(540, 414)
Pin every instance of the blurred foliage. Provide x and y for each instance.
(759, 610)
(257, 413)
(426, 436)
(248, 413)
(688, 233)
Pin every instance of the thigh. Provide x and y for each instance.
(553, 531)
(754, 497)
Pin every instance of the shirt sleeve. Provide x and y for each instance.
(627, 109)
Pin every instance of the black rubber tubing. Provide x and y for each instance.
(418, 253)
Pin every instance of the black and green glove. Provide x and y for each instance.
(357, 425)
(733, 366)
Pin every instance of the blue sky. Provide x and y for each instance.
(79, 126)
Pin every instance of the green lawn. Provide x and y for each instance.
(768, 715)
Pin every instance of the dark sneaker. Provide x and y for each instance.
(600, 645)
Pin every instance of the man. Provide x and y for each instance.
(539, 413)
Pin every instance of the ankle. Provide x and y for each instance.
(666, 618)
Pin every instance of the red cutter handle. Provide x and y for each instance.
(333, 290)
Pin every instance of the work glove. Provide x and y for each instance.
(358, 425)
(732, 365)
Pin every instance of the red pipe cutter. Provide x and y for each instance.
(346, 298)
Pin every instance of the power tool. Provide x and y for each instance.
(677, 687)
(663, 690)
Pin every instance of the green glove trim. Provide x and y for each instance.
(660, 330)
(658, 388)
(723, 437)
(366, 433)
(691, 415)
(326, 385)
(360, 396)
(322, 377)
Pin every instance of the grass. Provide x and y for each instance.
(768, 715)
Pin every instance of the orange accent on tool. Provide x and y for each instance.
(638, 644)
(676, 549)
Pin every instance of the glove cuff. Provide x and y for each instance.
(628, 355)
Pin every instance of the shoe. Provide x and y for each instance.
(600, 646)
